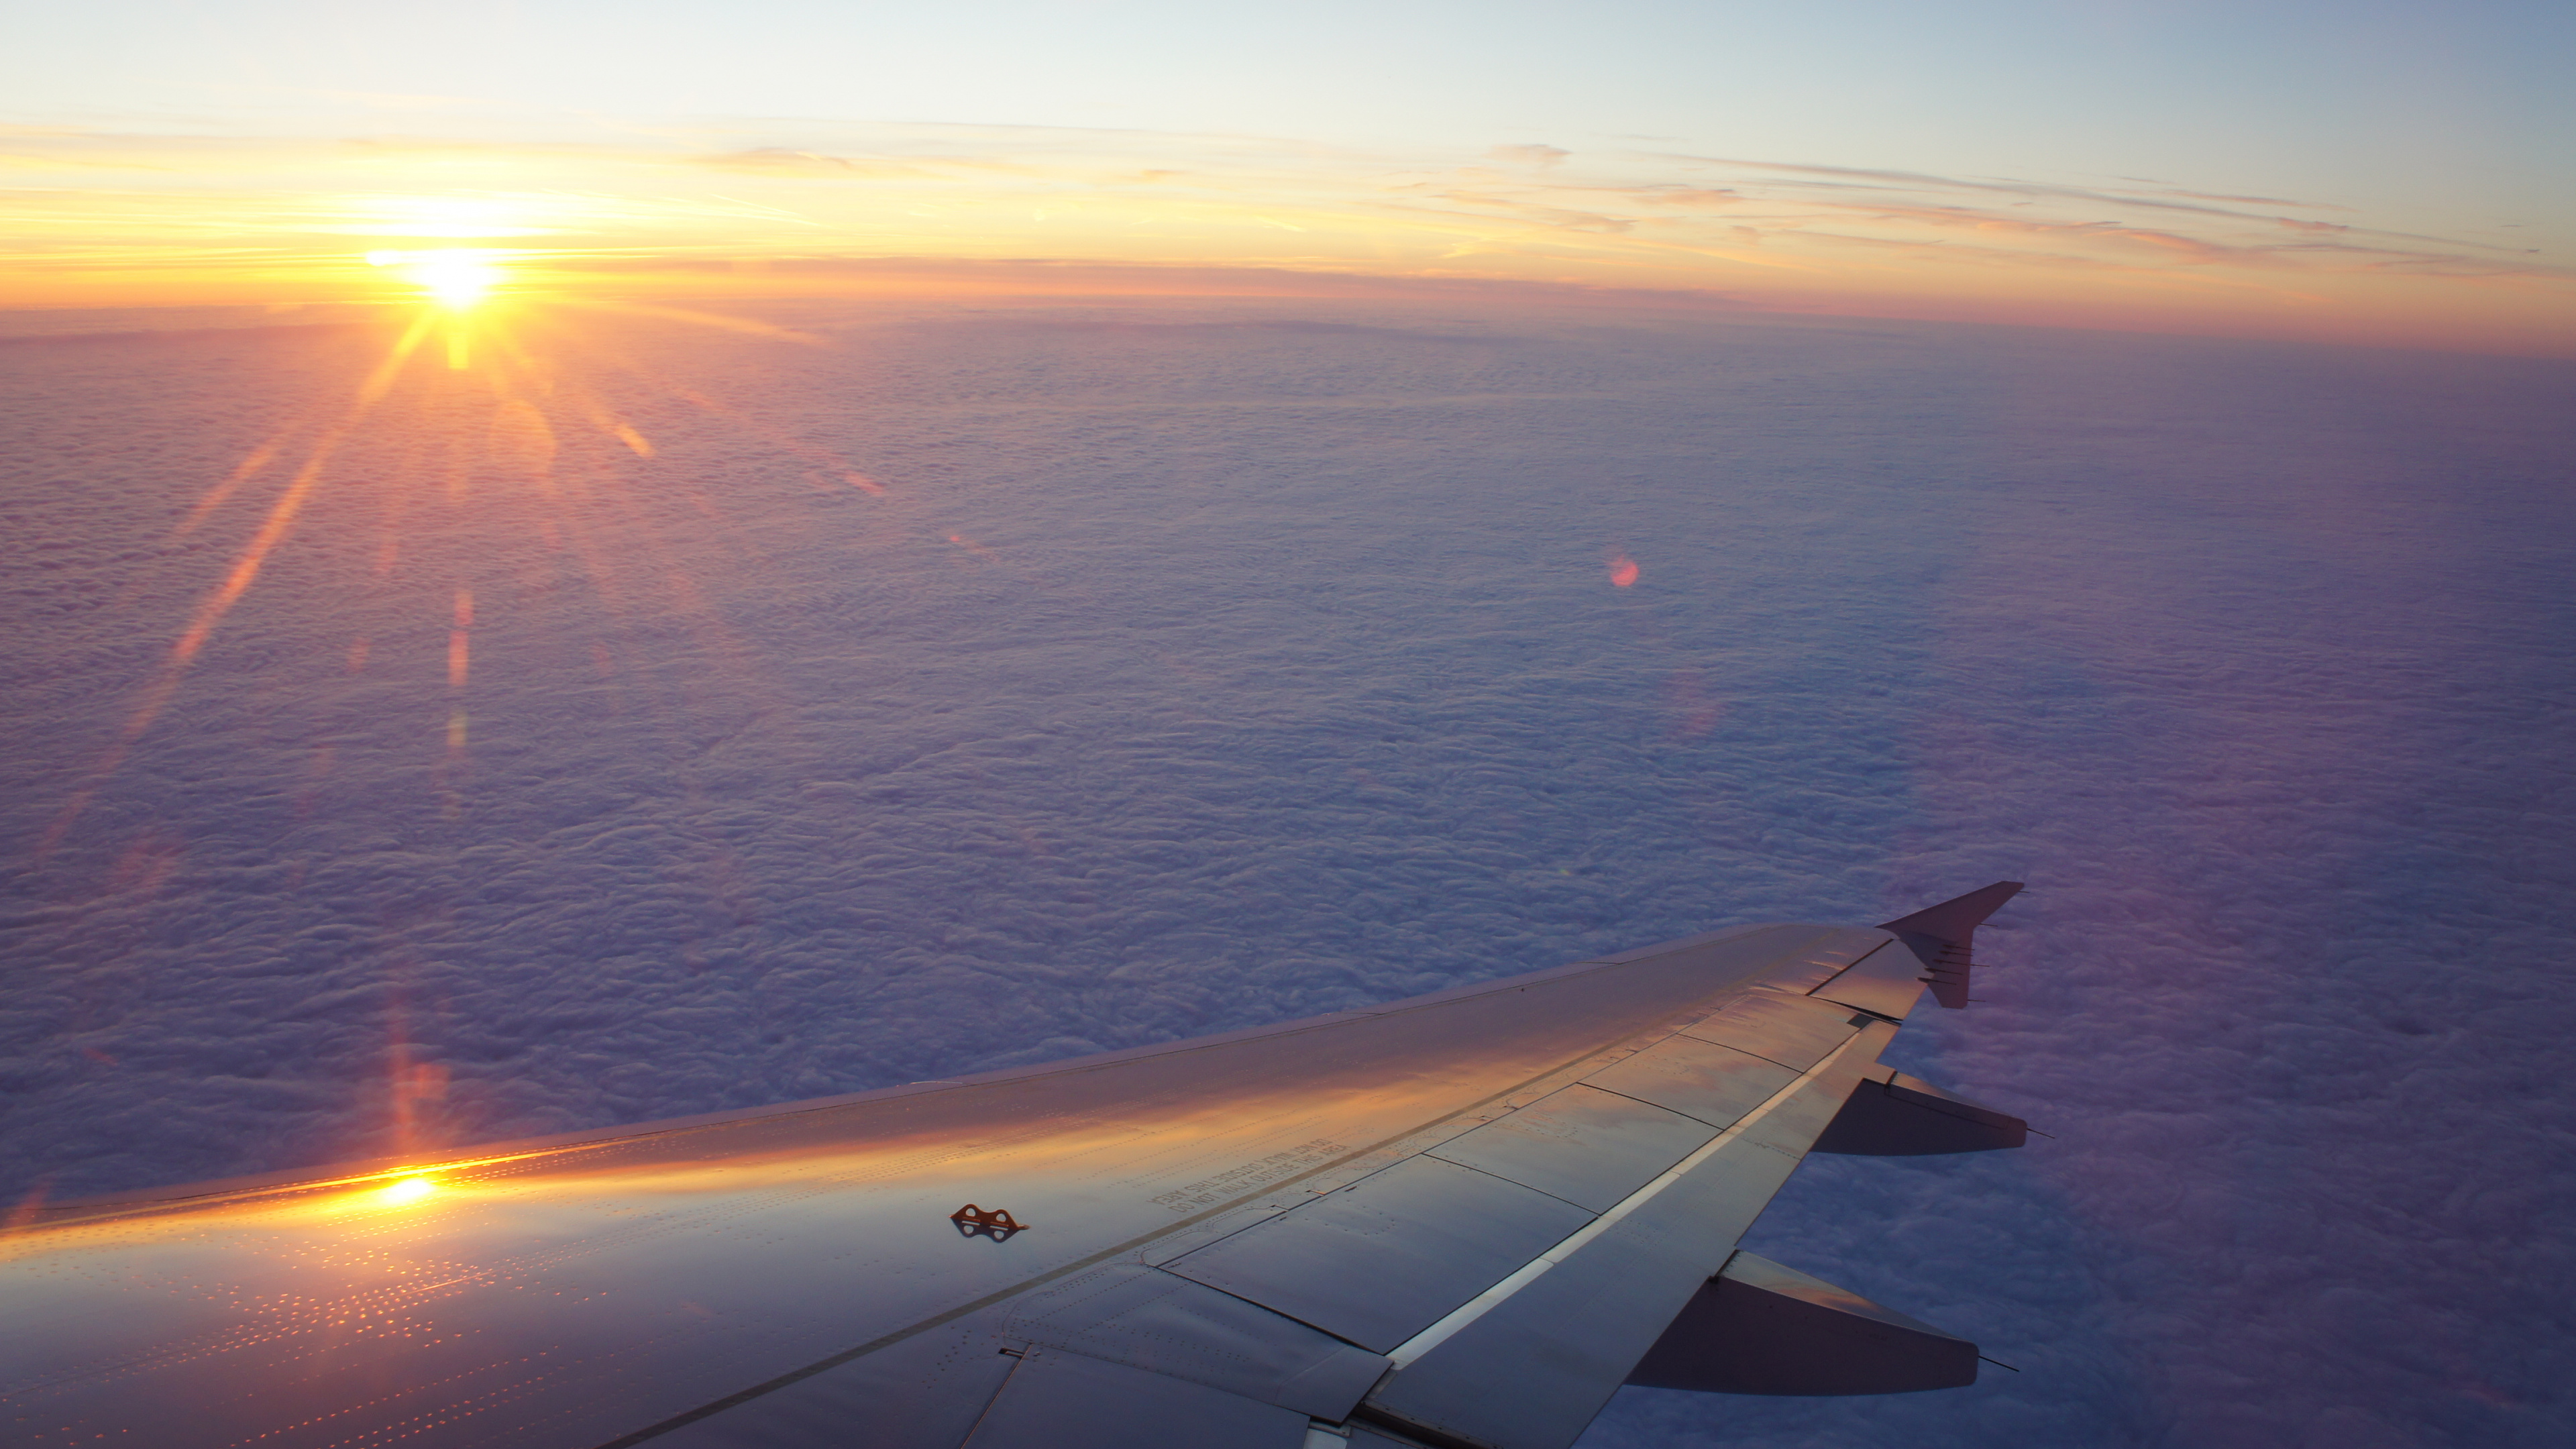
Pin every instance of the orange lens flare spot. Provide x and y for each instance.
(1623, 571)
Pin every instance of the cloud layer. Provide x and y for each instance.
(649, 718)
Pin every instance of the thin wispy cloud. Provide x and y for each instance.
(778, 160)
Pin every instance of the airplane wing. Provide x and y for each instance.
(1460, 1220)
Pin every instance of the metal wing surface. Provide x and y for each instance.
(1462, 1219)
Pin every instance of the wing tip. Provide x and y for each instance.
(1942, 936)
(1958, 917)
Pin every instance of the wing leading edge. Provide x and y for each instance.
(1464, 1219)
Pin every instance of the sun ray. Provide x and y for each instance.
(282, 513)
(504, 414)
(703, 319)
(251, 466)
(244, 572)
(837, 465)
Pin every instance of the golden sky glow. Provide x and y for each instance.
(104, 220)
(2387, 173)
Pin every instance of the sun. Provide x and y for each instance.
(457, 279)
(454, 277)
(406, 1191)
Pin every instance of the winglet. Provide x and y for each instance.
(1941, 935)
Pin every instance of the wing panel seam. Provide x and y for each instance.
(1483, 1303)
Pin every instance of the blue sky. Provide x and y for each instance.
(2366, 100)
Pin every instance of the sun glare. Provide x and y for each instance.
(453, 277)
(408, 1190)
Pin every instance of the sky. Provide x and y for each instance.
(2379, 173)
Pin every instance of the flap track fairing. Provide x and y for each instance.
(1760, 1328)
(1893, 1115)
